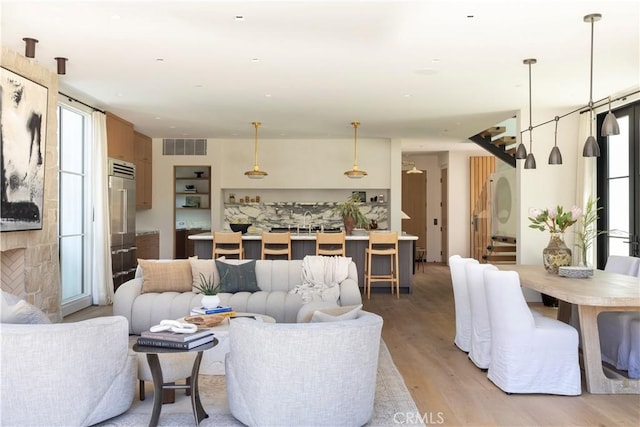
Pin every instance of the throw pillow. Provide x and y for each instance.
(166, 276)
(16, 310)
(208, 269)
(336, 314)
(239, 276)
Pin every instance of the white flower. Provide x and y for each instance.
(534, 212)
(576, 213)
(552, 213)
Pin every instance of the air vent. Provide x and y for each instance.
(184, 147)
(122, 169)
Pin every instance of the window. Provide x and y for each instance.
(619, 185)
(74, 207)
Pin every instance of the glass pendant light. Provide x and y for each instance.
(555, 157)
(355, 172)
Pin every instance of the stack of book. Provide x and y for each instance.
(218, 310)
(177, 340)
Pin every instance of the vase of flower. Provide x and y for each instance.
(556, 254)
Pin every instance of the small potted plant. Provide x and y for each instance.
(351, 214)
(209, 291)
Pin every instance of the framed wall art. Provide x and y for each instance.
(23, 130)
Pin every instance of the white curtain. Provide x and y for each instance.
(101, 280)
(585, 178)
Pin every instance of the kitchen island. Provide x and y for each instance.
(303, 244)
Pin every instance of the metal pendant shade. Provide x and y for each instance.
(521, 152)
(355, 172)
(256, 173)
(530, 162)
(610, 124)
(591, 148)
(555, 157)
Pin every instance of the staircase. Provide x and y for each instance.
(501, 146)
(502, 250)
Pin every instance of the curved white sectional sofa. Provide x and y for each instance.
(275, 279)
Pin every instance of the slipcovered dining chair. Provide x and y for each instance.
(634, 350)
(461, 301)
(480, 349)
(614, 326)
(529, 354)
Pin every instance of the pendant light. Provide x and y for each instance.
(591, 148)
(256, 173)
(413, 169)
(355, 172)
(555, 157)
(610, 124)
(530, 163)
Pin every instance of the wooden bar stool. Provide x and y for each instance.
(382, 244)
(227, 243)
(330, 244)
(276, 244)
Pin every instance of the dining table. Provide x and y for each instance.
(603, 291)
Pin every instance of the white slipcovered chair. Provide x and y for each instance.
(480, 351)
(310, 374)
(634, 353)
(529, 354)
(614, 326)
(461, 301)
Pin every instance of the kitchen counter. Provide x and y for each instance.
(303, 244)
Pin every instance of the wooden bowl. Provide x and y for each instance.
(205, 320)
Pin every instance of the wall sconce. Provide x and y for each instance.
(62, 65)
(30, 47)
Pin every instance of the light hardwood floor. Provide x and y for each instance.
(447, 387)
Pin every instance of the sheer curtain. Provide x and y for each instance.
(585, 179)
(101, 280)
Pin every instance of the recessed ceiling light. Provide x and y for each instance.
(267, 95)
(157, 118)
(435, 60)
(255, 59)
(115, 16)
(470, 16)
(407, 95)
(238, 18)
(160, 59)
(172, 127)
(198, 85)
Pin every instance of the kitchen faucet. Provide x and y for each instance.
(304, 220)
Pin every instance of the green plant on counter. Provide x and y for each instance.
(351, 208)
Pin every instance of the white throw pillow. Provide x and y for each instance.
(16, 310)
(208, 269)
(336, 314)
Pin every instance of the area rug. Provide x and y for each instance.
(392, 402)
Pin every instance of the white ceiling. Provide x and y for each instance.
(423, 71)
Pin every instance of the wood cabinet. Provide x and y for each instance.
(142, 150)
(148, 245)
(119, 138)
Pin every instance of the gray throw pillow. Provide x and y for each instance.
(240, 277)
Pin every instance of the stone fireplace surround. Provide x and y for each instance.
(29, 264)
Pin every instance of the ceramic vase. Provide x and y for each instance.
(349, 224)
(556, 254)
(210, 301)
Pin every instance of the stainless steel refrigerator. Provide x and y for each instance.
(122, 216)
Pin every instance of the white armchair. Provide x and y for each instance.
(305, 373)
(86, 364)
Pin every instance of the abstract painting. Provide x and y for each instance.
(23, 122)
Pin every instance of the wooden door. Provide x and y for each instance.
(444, 218)
(481, 169)
(414, 204)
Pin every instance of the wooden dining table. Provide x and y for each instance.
(604, 291)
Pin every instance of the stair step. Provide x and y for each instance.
(504, 239)
(499, 258)
(505, 248)
(493, 131)
(504, 140)
(511, 151)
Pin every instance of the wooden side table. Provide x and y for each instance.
(158, 384)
